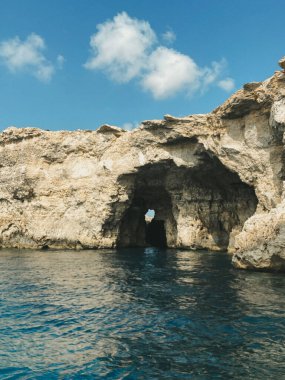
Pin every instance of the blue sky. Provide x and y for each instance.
(77, 64)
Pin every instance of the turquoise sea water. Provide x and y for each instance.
(138, 314)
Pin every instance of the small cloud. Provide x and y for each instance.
(169, 36)
(125, 49)
(212, 73)
(227, 84)
(27, 56)
(170, 71)
(130, 126)
(120, 47)
(60, 61)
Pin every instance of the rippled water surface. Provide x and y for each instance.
(138, 314)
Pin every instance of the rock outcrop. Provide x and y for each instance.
(215, 181)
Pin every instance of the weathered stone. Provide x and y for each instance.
(215, 181)
(281, 63)
(251, 86)
(110, 129)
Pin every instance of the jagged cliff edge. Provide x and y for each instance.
(214, 180)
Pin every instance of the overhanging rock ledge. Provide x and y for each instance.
(215, 182)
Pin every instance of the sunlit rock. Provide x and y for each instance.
(215, 181)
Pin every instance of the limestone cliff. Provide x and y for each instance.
(215, 181)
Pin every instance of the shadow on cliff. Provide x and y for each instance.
(196, 205)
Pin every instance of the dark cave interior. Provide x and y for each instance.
(208, 192)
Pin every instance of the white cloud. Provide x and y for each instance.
(124, 48)
(120, 47)
(27, 56)
(169, 36)
(130, 126)
(211, 74)
(170, 71)
(227, 84)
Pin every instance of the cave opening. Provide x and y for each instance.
(199, 207)
(149, 215)
(148, 219)
(155, 234)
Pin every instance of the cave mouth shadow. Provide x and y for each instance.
(155, 235)
(195, 207)
(140, 229)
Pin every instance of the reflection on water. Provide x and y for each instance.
(138, 314)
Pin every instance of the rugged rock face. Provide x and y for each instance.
(215, 181)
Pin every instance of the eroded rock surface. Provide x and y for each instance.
(215, 181)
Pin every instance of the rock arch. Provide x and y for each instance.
(202, 206)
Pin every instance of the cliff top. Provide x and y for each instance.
(254, 96)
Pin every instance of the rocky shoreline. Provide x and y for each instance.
(215, 181)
